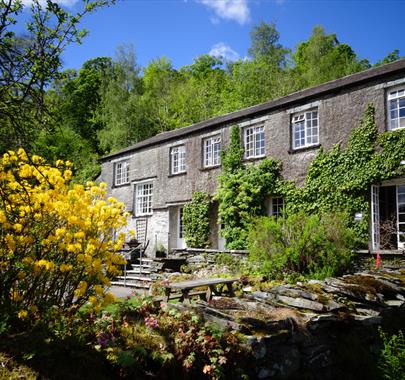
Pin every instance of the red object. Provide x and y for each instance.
(378, 261)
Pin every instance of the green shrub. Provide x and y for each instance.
(392, 356)
(196, 219)
(314, 245)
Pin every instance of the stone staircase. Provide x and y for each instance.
(137, 275)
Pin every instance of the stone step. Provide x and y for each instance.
(139, 271)
(135, 278)
(146, 260)
(137, 266)
(130, 284)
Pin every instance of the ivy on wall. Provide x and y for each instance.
(338, 181)
(196, 220)
(242, 191)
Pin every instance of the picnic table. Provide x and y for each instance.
(185, 288)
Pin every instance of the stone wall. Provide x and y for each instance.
(338, 112)
(317, 329)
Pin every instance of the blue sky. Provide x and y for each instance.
(184, 29)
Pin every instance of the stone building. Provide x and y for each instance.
(157, 176)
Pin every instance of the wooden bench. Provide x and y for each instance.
(186, 286)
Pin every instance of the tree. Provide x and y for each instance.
(264, 45)
(323, 58)
(391, 57)
(120, 110)
(29, 62)
(159, 80)
(81, 99)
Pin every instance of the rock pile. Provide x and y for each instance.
(317, 329)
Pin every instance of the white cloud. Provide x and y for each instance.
(236, 10)
(223, 50)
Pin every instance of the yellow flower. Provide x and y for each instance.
(22, 314)
(47, 265)
(18, 227)
(98, 289)
(81, 289)
(108, 298)
(65, 268)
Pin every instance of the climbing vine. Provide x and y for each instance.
(196, 220)
(338, 180)
(242, 191)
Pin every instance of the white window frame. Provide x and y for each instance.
(178, 159)
(212, 151)
(121, 173)
(395, 97)
(143, 198)
(276, 206)
(303, 124)
(254, 141)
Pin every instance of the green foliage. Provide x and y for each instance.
(265, 45)
(67, 144)
(110, 104)
(312, 245)
(323, 58)
(81, 98)
(392, 356)
(232, 157)
(31, 46)
(242, 191)
(140, 338)
(196, 219)
(390, 57)
(340, 179)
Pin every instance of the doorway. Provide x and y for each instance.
(388, 217)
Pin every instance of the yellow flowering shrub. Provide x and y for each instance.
(56, 238)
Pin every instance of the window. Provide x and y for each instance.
(212, 151)
(254, 141)
(396, 109)
(121, 173)
(305, 129)
(143, 198)
(178, 159)
(276, 206)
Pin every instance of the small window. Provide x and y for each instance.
(305, 129)
(276, 206)
(143, 198)
(254, 141)
(178, 159)
(396, 109)
(121, 173)
(212, 151)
